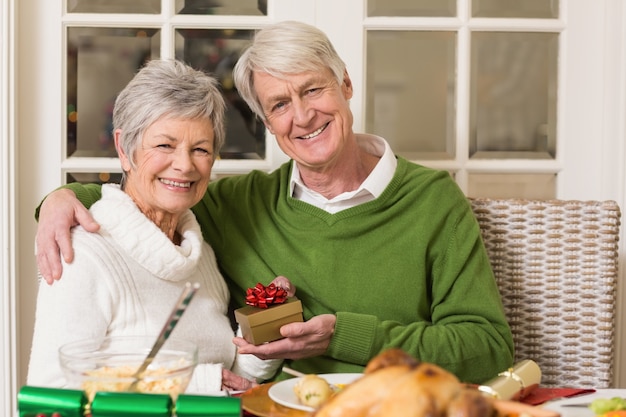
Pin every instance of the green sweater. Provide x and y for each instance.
(406, 270)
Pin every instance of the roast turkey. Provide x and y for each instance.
(395, 384)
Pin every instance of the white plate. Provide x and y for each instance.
(282, 392)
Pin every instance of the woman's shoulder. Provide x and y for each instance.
(90, 245)
(93, 263)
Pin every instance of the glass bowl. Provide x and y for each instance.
(109, 365)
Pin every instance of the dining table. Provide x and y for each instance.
(257, 403)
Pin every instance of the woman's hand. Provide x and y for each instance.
(302, 340)
(284, 283)
(234, 382)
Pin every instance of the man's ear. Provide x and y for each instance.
(268, 126)
(124, 159)
(347, 86)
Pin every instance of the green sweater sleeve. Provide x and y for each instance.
(86, 194)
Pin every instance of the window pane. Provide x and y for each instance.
(531, 186)
(411, 87)
(215, 7)
(93, 177)
(546, 9)
(216, 51)
(411, 8)
(100, 62)
(513, 95)
(114, 6)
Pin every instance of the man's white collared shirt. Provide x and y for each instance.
(370, 189)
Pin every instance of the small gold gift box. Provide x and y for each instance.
(260, 325)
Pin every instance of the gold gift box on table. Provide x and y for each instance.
(260, 325)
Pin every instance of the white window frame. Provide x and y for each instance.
(8, 360)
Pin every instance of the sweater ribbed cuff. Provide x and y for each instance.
(206, 379)
(353, 338)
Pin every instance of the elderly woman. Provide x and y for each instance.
(168, 129)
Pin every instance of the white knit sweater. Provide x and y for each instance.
(125, 280)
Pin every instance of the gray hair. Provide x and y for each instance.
(167, 88)
(287, 47)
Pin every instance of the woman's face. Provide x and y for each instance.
(173, 165)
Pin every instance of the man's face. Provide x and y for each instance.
(309, 114)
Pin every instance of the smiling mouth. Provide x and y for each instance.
(175, 184)
(314, 134)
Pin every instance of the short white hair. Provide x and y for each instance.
(167, 88)
(287, 47)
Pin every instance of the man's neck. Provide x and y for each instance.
(342, 176)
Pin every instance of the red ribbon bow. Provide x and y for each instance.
(264, 297)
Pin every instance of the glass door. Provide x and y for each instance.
(473, 87)
(499, 93)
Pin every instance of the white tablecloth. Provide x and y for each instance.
(558, 405)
